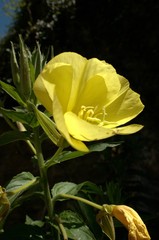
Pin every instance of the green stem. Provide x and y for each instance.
(31, 146)
(52, 161)
(43, 175)
(95, 205)
(63, 231)
(21, 128)
(10, 123)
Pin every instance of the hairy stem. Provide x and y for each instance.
(43, 175)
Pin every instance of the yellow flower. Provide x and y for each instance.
(87, 98)
(130, 219)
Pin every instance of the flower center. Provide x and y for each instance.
(89, 114)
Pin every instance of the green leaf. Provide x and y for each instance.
(28, 118)
(12, 136)
(32, 72)
(89, 215)
(101, 146)
(49, 127)
(68, 155)
(20, 183)
(106, 223)
(12, 92)
(64, 156)
(73, 189)
(32, 222)
(75, 226)
(64, 188)
(89, 187)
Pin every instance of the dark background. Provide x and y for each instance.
(125, 33)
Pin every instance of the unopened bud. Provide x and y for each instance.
(25, 81)
(15, 68)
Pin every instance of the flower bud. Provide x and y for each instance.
(25, 81)
(15, 68)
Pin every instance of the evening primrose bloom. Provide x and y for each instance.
(130, 219)
(87, 99)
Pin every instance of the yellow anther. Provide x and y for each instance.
(89, 114)
(94, 120)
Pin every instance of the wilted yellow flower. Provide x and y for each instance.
(87, 98)
(131, 220)
(4, 204)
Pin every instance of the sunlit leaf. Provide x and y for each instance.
(20, 183)
(48, 126)
(64, 188)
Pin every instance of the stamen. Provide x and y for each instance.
(104, 113)
(88, 114)
(94, 120)
(81, 112)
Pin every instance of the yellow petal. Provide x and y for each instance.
(132, 128)
(83, 70)
(96, 67)
(85, 131)
(42, 94)
(90, 96)
(106, 71)
(78, 65)
(125, 107)
(93, 89)
(112, 82)
(132, 221)
(61, 126)
(70, 83)
(59, 75)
